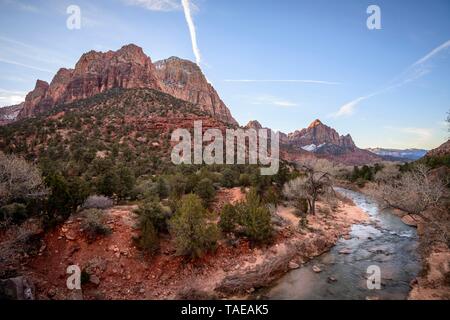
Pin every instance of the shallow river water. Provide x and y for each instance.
(385, 241)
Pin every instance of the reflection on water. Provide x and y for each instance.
(385, 241)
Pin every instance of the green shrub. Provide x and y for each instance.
(152, 212)
(229, 218)
(14, 212)
(145, 189)
(228, 178)
(192, 182)
(272, 195)
(244, 180)
(60, 203)
(177, 185)
(93, 223)
(108, 183)
(192, 229)
(205, 190)
(148, 238)
(250, 218)
(162, 188)
(256, 219)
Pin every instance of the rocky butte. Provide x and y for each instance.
(318, 135)
(129, 67)
(320, 140)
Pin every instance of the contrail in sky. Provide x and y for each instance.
(190, 22)
(415, 71)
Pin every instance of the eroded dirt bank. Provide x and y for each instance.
(433, 282)
(116, 269)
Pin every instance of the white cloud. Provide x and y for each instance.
(415, 71)
(271, 100)
(156, 5)
(190, 22)
(422, 133)
(419, 135)
(283, 80)
(8, 98)
(348, 108)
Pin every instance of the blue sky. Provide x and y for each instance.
(387, 88)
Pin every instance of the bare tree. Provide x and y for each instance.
(414, 192)
(389, 172)
(315, 182)
(19, 179)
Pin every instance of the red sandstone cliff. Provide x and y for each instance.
(128, 67)
(183, 79)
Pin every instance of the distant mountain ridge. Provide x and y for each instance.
(321, 141)
(399, 154)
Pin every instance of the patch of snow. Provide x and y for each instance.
(310, 147)
(10, 116)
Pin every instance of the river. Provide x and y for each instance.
(384, 241)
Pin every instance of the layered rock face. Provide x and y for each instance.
(318, 134)
(94, 73)
(9, 114)
(320, 140)
(127, 68)
(183, 79)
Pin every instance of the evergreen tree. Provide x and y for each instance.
(192, 229)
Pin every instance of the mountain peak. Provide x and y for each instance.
(131, 47)
(318, 134)
(254, 124)
(315, 123)
(174, 58)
